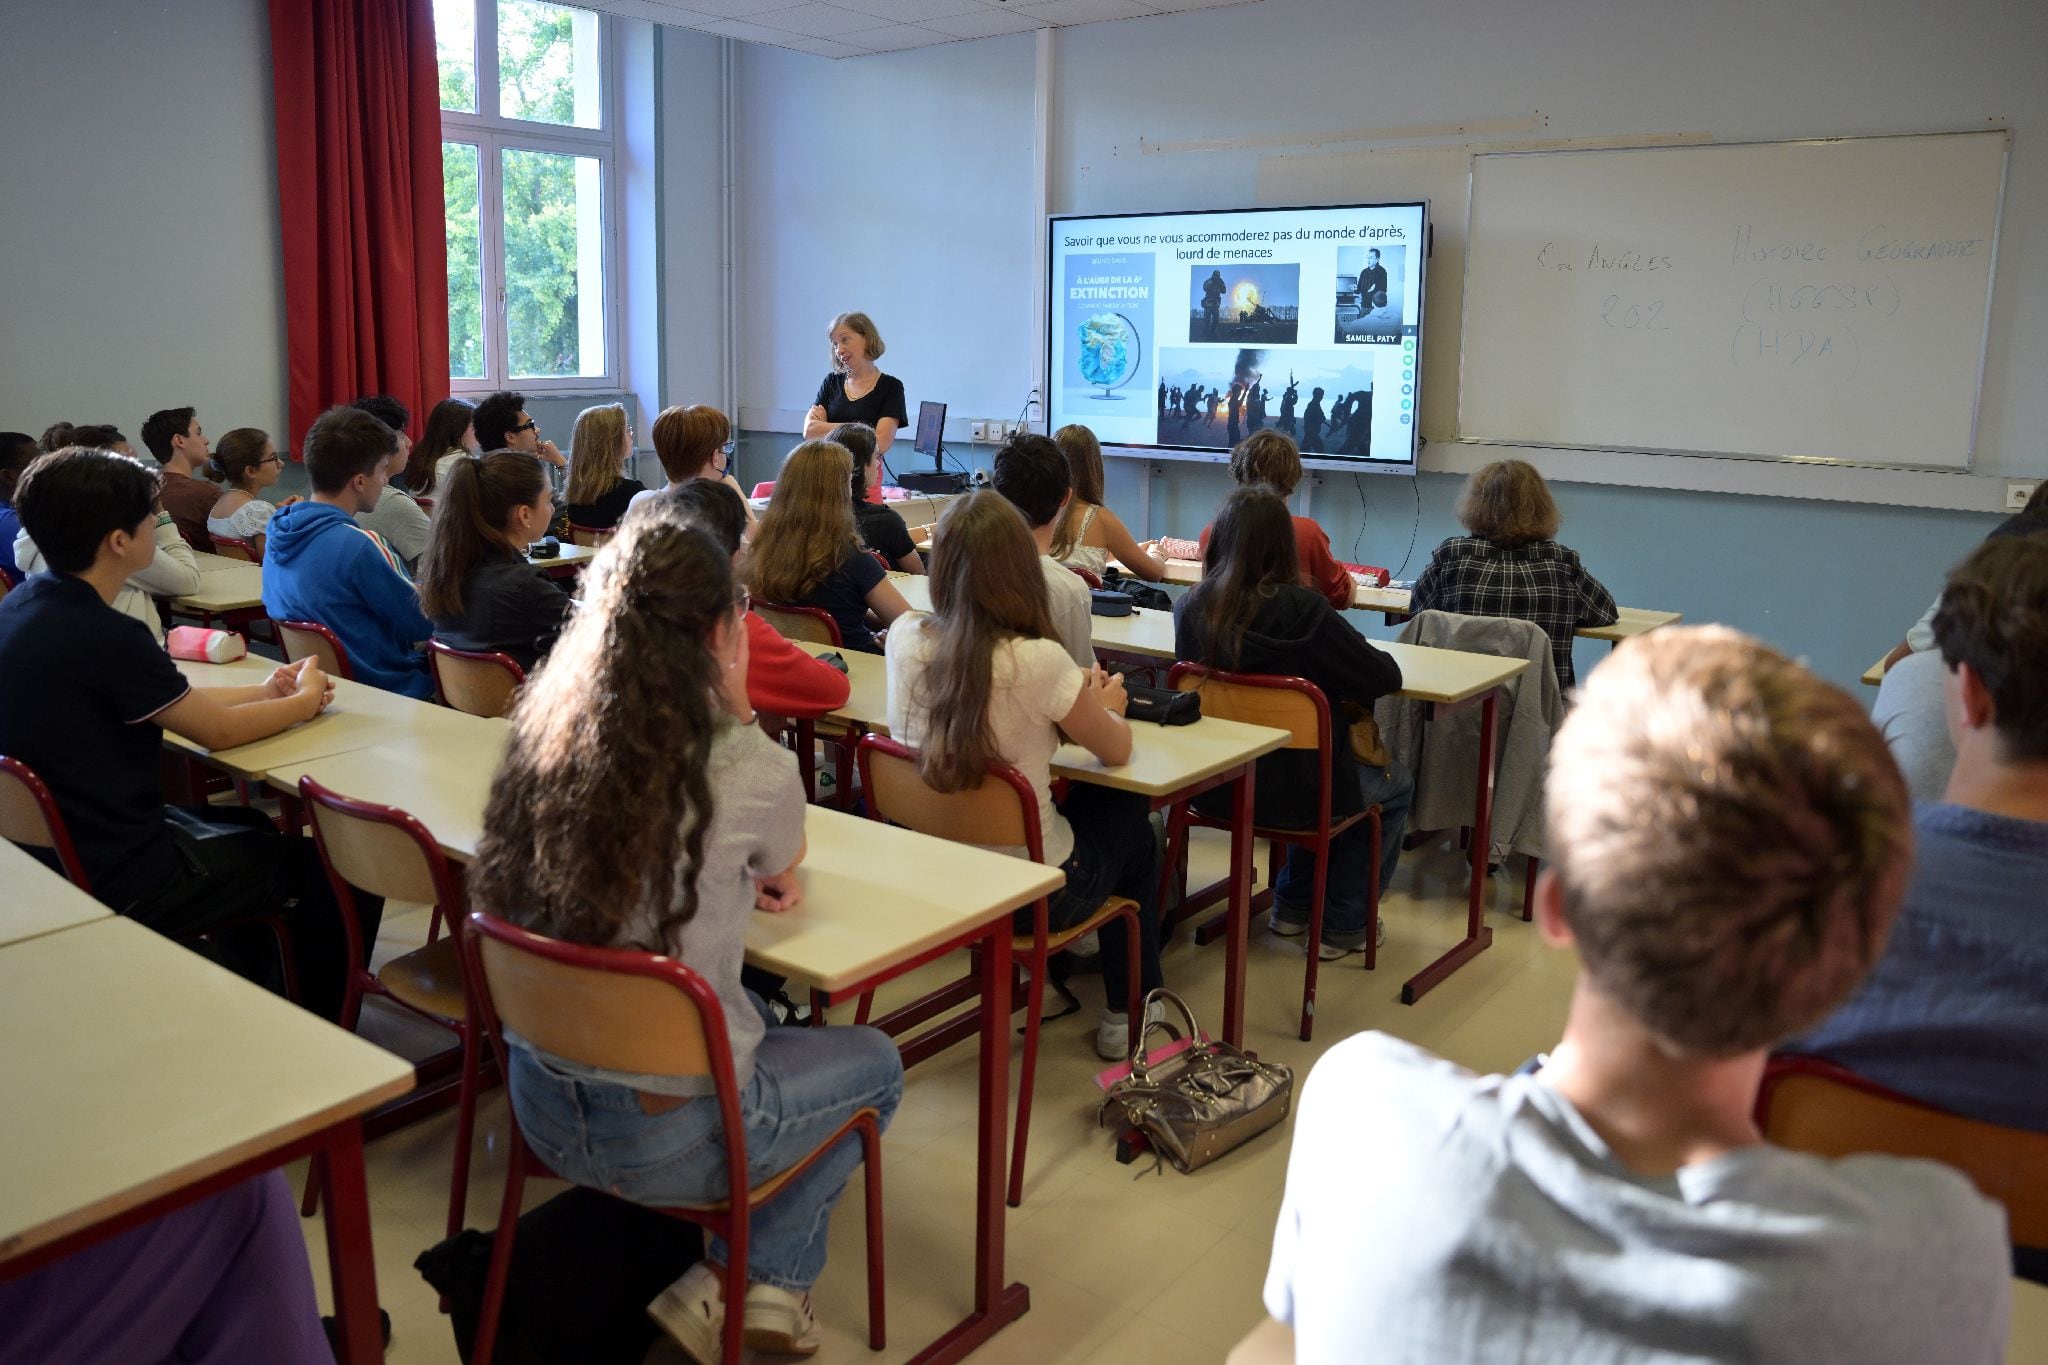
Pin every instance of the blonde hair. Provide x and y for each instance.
(862, 326)
(1508, 503)
(597, 455)
(808, 528)
(1731, 837)
(1084, 462)
(1267, 457)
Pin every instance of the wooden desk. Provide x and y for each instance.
(38, 901)
(157, 1079)
(568, 563)
(228, 588)
(1146, 633)
(1873, 676)
(443, 780)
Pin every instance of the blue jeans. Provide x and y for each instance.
(806, 1082)
(1344, 898)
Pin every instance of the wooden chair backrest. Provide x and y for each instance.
(375, 855)
(1830, 1112)
(613, 1020)
(593, 536)
(807, 624)
(1278, 708)
(991, 813)
(228, 547)
(300, 641)
(480, 685)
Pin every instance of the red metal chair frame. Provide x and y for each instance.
(436, 651)
(244, 549)
(1088, 576)
(343, 669)
(1316, 840)
(448, 903)
(926, 1007)
(730, 1223)
(805, 728)
(598, 534)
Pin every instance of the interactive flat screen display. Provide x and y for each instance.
(1185, 332)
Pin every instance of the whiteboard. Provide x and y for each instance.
(1823, 300)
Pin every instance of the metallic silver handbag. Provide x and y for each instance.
(1201, 1102)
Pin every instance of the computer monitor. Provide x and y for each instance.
(931, 433)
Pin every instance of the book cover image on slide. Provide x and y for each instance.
(1107, 312)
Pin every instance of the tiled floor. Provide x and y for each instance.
(1124, 1265)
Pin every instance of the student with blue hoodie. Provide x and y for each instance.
(319, 565)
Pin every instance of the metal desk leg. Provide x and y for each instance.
(1477, 934)
(348, 1247)
(1240, 907)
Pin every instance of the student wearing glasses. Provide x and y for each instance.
(694, 442)
(502, 423)
(246, 463)
(599, 491)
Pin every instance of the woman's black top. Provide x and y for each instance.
(885, 399)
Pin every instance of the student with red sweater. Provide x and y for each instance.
(1270, 459)
(782, 680)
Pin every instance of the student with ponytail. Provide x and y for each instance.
(639, 808)
(246, 462)
(475, 583)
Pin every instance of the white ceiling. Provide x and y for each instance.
(855, 28)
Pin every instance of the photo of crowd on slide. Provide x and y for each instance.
(1244, 303)
(1214, 399)
(1369, 291)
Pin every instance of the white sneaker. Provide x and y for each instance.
(692, 1312)
(1113, 1031)
(1085, 949)
(781, 1321)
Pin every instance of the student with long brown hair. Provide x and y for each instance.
(1510, 564)
(638, 808)
(984, 679)
(807, 551)
(476, 584)
(1251, 614)
(1267, 459)
(1090, 534)
(246, 463)
(881, 526)
(599, 491)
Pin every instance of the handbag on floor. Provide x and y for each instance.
(1203, 1101)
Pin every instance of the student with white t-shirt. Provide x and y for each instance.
(983, 680)
(1729, 840)
(1031, 471)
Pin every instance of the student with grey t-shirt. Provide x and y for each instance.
(1910, 715)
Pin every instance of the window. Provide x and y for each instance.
(527, 155)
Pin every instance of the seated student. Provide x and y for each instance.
(319, 565)
(782, 680)
(1271, 459)
(502, 424)
(101, 436)
(246, 462)
(2029, 520)
(1728, 841)
(599, 491)
(1512, 565)
(17, 449)
(402, 523)
(85, 697)
(1089, 535)
(698, 822)
(170, 572)
(983, 680)
(881, 526)
(694, 442)
(217, 1282)
(807, 551)
(1031, 472)
(1911, 712)
(1956, 1013)
(476, 584)
(450, 434)
(1250, 613)
(174, 437)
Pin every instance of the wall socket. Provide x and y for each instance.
(2017, 491)
(977, 430)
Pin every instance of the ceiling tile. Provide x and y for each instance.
(987, 23)
(913, 11)
(1083, 11)
(822, 47)
(900, 38)
(816, 20)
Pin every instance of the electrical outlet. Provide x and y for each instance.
(2017, 491)
(977, 430)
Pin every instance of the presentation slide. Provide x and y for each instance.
(1189, 331)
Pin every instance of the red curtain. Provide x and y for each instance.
(359, 192)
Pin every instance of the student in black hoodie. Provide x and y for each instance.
(1251, 614)
(476, 584)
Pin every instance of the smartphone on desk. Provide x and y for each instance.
(834, 658)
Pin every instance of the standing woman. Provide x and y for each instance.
(639, 808)
(599, 491)
(881, 526)
(808, 551)
(476, 584)
(984, 679)
(1090, 535)
(1511, 564)
(450, 434)
(246, 461)
(855, 391)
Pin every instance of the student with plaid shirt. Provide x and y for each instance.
(1512, 565)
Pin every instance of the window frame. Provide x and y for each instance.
(493, 134)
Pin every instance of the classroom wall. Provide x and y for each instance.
(139, 250)
(1836, 582)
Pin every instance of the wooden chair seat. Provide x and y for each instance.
(769, 1188)
(1060, 938)
(429, 979)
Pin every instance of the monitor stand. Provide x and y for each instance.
(940, 480)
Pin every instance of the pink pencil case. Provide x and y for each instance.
(205, 646)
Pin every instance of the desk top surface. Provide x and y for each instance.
(38, 901)
(152, 1068)
(1874, 675)
(224, 585)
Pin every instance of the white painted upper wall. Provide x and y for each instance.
(140, 256)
